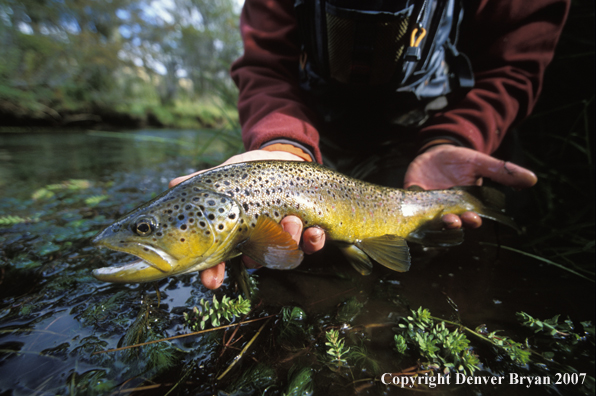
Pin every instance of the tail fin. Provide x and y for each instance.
(491, 204)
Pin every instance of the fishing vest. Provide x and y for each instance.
(396, 57)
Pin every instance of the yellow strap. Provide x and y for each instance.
(415, 41)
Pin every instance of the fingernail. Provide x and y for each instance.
(316, 238)
(292, 228)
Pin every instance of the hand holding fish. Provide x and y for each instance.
(446, 166)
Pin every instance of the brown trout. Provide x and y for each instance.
(236, 209)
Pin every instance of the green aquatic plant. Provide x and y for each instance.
(450, 349)
(300, 382)
(516, 351)
(551, 326)
(69, 185)
(95, 199)
(361, 357)
(349, 310)
(215, 311)
(9, 220)
(336, 349)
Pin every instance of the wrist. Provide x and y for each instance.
(439, 141)
(289, 147)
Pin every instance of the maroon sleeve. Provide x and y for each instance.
(270, 105)
(510, 43)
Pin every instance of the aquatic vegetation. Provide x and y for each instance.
(336, 349)
(11, 220)
(300, 382)
(449, 349)
(227, 309)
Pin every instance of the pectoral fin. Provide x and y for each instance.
(271, 246)
(390, 250)
(358, 259)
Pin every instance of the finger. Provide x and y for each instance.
(213, 277)
(313, 240)
(293, 226)
(180, 179)
(471, 220)
(506, 173)
(451, 221)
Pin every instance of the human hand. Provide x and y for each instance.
(446, 166)
(313, 238)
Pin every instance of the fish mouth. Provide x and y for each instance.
(161, 265)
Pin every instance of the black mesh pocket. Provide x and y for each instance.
(363, 47)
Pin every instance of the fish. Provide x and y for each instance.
(236, 209)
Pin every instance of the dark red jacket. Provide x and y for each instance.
(509, 42)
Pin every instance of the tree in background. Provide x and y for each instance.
(69, 56)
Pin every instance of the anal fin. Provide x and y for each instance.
(389, 250)
(357, 258)
(271, 246)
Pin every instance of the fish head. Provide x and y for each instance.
(185, 229)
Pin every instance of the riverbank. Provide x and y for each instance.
(204, 114)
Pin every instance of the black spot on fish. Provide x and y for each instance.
(221, 227)
(232, 216)
(208, 181)
(199, 214)
(256, 215)
(196, 199)
(245, 206)
(276, 214)
(182, 239)
(227, 183)
(165, 226)
(191, 220)
(159, 234)
(188, 207)
(202, 223)
(181, 217)
(183, 227)
(202, 207)
(211, 202)
(207, 232)
(195, 188)
(211, 217)
(241, 221)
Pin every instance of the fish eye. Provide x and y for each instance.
(144, 226)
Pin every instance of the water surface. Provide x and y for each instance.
(55, 317)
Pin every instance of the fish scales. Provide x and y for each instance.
(345, 208)
(235, 209)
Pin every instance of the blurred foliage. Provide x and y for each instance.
(73, 62)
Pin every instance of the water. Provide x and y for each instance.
(55, 317)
